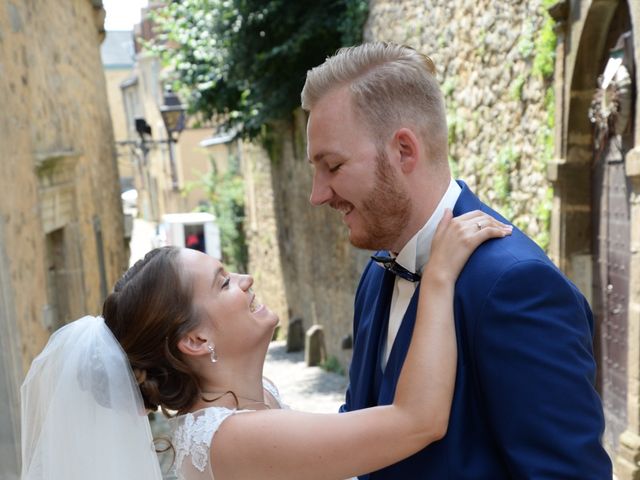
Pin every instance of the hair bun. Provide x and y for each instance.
(150, 393)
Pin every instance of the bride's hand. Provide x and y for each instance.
(456, 239)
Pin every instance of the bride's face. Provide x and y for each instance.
(226, 303)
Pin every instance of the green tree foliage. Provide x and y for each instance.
(245, 61)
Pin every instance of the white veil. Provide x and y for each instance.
(82, 412)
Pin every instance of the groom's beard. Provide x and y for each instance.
(385, 212)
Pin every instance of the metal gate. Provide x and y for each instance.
(612, 115)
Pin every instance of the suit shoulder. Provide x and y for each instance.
(495, 256)
(496, 259)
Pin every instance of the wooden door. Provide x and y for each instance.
(612, 115)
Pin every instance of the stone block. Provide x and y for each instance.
(632, 163)
(315, 351)
(295, 335)
(553, 169)
(581, 273)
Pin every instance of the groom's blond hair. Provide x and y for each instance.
(391, 86)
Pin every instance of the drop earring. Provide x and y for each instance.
(212, 349)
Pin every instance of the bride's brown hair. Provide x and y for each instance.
(149, 310)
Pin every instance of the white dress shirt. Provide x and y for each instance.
(414, 256)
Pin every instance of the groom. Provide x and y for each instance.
(524, 405)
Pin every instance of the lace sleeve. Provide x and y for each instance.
(192, 437)
(270, 387)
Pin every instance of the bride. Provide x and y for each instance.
(181, 333)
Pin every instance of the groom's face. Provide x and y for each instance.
(353, 174)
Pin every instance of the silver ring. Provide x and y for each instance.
(478, 225)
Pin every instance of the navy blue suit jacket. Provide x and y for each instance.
(524, 405)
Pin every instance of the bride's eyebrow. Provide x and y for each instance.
(216, 272)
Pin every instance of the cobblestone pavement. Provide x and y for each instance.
(309, 389)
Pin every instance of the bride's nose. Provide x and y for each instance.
(245, 281)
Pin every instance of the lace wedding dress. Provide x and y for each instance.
(193, 435)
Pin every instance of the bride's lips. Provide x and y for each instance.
(254, 306)
(259, 309)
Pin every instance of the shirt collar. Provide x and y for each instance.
(415, 254)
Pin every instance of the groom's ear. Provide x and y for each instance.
(193, 345)
(408, 147)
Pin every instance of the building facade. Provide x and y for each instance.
(61, 224)
(166, 168)
(595, 234)
(118, 60)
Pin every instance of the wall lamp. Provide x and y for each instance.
(173, 114)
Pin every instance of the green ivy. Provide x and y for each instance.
(547, 132)
(449, 86)
(543, 67)
(351, 24)
(506, 162)
(454, 166)
(545, 47)
(526, 45)
(245, 61)
(516, 87)
(543, 212)
(272, 143)
(455, 123)
(332, 364)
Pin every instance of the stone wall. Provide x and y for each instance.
(61, 226)
(261, 227)
(488, 55)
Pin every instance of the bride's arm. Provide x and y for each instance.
(285, 444)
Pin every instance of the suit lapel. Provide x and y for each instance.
(371, 335)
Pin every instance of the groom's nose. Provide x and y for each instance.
(321, 191)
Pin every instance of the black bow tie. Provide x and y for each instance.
(394, 267)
